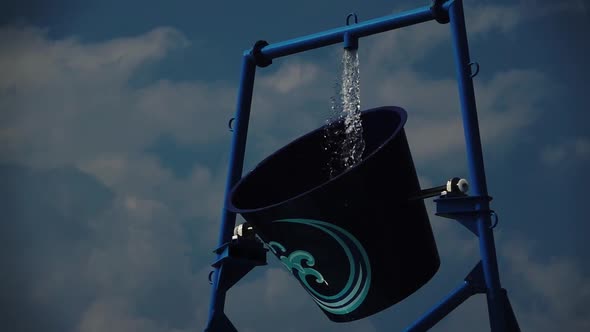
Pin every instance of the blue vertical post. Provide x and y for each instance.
(236, 164)
(476, 165)
(238, 148)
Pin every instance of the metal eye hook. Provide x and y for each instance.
(210, 277)
(356, 19)
(229, 124)
(474, 73)
(494, 219)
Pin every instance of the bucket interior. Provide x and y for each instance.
(302, 165)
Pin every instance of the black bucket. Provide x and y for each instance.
(355, 242)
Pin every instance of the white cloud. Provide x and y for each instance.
(29, 59)
(582, 147)
(506, 104)
(117, 315)
(85, 105)
(407, 46)
(84, 112)
(553, 293)
(146, 184)
(139, 263)
(291, 77)
(117, 263)
(483, 17)
(553, 154)
(191, 112)
(139, 246)
(570, 150)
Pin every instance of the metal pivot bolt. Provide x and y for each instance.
(244, 230)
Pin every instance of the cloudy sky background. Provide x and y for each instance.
(114, 147)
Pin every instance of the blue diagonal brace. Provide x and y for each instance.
(474, 283)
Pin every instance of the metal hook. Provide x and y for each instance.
(356, 19)
(229, 124)
(474, 73)
(494, 219)
(210, 277)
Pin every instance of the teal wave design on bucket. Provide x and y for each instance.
(301, 264)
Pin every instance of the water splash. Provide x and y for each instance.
(344, 132)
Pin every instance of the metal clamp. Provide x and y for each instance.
(256, 53)
(464, 209)
(440, 14)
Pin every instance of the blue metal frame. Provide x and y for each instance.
(471, 211)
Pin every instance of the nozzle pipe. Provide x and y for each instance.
(350, 42)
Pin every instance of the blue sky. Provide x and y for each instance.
(114, 148)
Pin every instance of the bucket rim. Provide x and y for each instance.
(403, 115)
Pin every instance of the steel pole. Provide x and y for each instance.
(236, 164)
(476, 164)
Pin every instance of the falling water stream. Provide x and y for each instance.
(344, 132)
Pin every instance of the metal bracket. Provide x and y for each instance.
(257, 55)
(475, 279)
(464, 209)
(235, 260)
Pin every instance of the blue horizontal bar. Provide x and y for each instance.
(356, 30)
